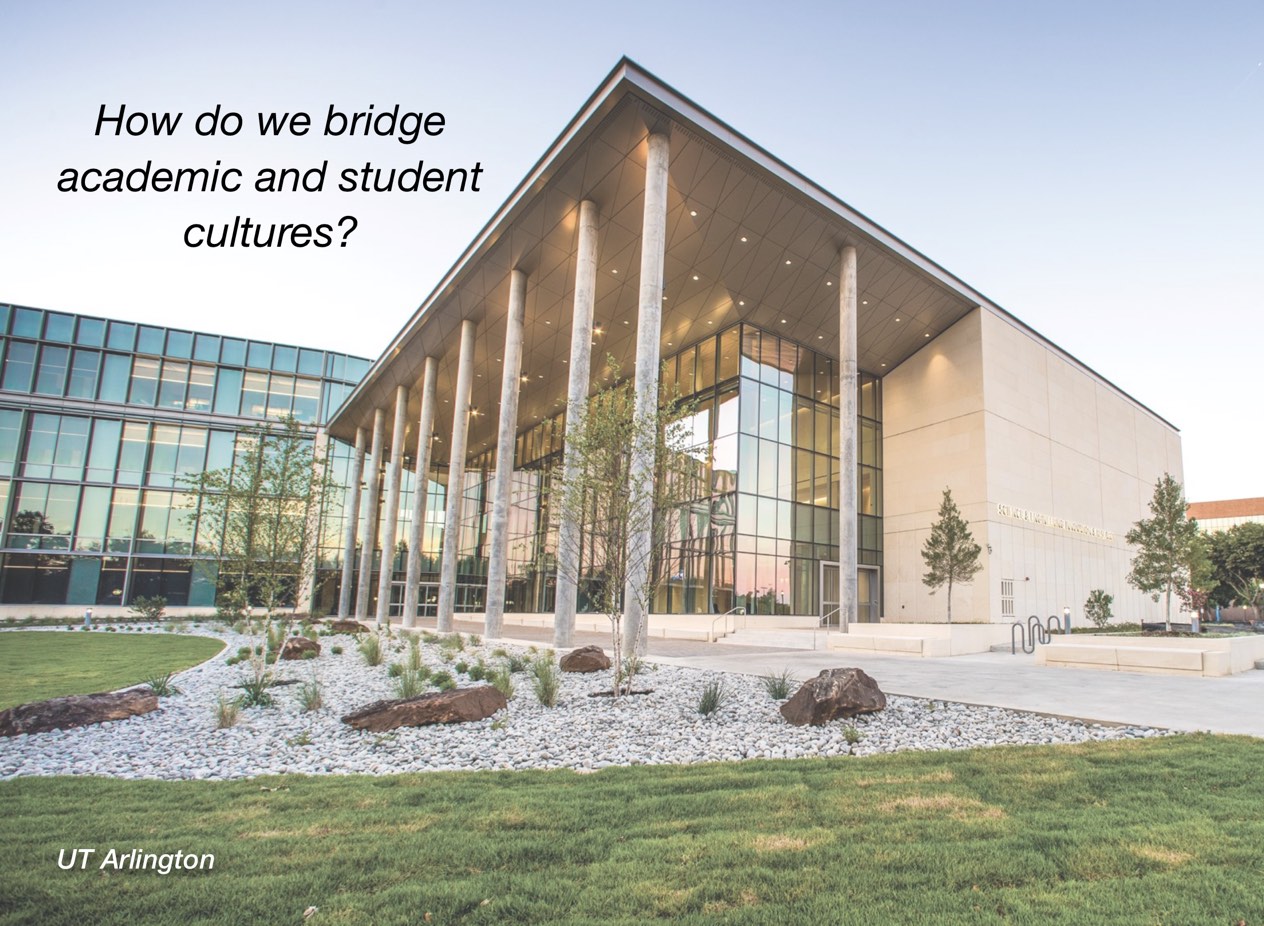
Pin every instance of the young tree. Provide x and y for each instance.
(950, 553)
(602, 492)
(1097, 607)
(1168, 545)
(253, 516)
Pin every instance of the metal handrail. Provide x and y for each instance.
(711, 638)
(825, 618)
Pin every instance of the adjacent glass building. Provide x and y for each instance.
(100, 423)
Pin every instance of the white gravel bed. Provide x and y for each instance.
(180, 739)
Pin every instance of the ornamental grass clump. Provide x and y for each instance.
(161, 685)
(546, 681)
(714, 696)
(371, 650)
(502, 680)
(227, 712)
(409, 684)
(310, 697)
(414, 653)
(778, 685)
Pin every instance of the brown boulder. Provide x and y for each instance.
(76, 711)
(298, 648)
(347, 627)
(585, 659)
(832, 694)
(460, 705)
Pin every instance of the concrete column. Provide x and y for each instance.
(847, 457)
(352, 515)
(456, 477)
(648, 334)
(498, 555)
(425, 431)
(311, 528)
(368, 524)
(568, 532)
(391, 510)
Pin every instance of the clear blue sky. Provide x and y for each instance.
(1095, 168)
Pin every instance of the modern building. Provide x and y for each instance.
(843, 381)
(1226, 513)
(100, 421)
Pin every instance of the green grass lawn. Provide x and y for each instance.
(35, 665)
(1153, 832)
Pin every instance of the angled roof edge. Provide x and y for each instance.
(627, 74)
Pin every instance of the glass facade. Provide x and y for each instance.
(100, 423)
(765, 428)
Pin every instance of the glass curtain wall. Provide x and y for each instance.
(91, 510)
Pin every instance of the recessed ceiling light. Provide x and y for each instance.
(669, 343)
(693, 212)
(743, 239)
(615, 272)
(897, 318)
(710, 323)
(695, 276)
(884, 364)
(927, 334)
(783, 321)
(829, 282)
(741, 302)
(787, 262)
(864, 302)
(820, 337)
(625, 322)
(548, 323)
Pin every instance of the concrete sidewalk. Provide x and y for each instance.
(1221, 705)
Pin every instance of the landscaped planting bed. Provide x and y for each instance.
(186, 737)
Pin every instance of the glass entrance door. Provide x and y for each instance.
(829, 595)
(868, 595)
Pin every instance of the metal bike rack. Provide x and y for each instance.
(1034, 632)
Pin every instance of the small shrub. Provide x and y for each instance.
(409, 684)
(1097, 607)
(303, 739)
(443, 681)
(428, 637)
(475, 640)
(336, 650)
(453, 641)
(500, 651)
(414, 653)
(545, 682)
(310, 697)
(502, 681)
(395, 670)
(243, 652)
(500, 723)
(852, 735)
(149, 608)
(462, 667)
(627, 671)
(312, 633)
(161, 685)
(371, 650)
(714, 695)
(231, 605)
(778, 686)
(478, 671)
(309, 654)
(515, 663)
(227, 711)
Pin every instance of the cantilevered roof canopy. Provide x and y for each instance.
(748, 238)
